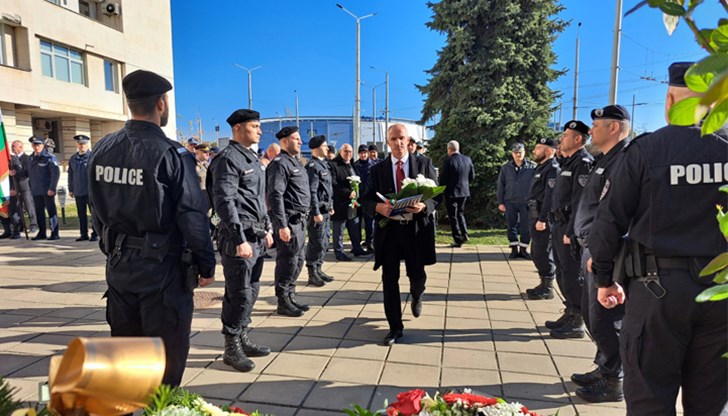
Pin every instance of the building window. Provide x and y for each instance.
(62, 63)
(111, 74)
(8, 55)
(87, 8)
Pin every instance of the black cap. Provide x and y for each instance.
(316, 141)
(144, 84)
(36, 140)
(362, 148)
(215, 149)
(547, 141)
(242, 116)
(518, 147)
(677, 73)
(286, 131)
(373, 147)
(193, 141)
(81, 139)
(614, 112)
(577, 125)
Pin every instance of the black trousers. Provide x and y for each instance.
(674, 342)
(82, 205)
(568, 268)
(369, 229)
(145, 298)
(242, 285)
(42, 204)
(517, 219)
(603, 324)
(541, 250)
(289, 259)
(456, 214)
(318, 241)
(400, 245)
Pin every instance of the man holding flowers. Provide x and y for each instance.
(410, 237)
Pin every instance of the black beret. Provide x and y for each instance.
(242, 116)
(81, 139)
(547, 141)
(373, 147)
(144, 84)
(578, 126)
(316, 141)
(36, 140)
(362, 148)
(286, 131)
(614, 112)
(677, 73)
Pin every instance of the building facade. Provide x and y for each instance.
(62, 62)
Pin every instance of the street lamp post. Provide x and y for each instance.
(374, 114)
(386, 98)
(250, 83)
(357, 98)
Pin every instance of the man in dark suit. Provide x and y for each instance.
(344, 214)
(456, 173)
(411, 239)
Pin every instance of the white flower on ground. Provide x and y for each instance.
(503, 409)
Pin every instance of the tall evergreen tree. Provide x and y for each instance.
(489, 86)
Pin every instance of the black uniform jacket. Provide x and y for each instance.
(342, 188)
(570, 183)
(319, 181)
(664, 192)
(142, 182)
(456, 173)
(382, 181)
(542, 187)
(236, 185)
(287, 188)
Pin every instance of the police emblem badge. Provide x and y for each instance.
(552, 182)
(582, 180)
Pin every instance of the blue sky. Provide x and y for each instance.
(307, 48)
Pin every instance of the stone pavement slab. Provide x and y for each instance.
(476, 330)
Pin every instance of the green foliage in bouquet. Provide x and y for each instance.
(178, 401)
(8, 404)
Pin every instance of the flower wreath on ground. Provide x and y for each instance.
(418, 402)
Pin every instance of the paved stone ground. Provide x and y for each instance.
(476, 330)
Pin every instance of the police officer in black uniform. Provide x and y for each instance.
(289, 200)
(236, 185)
(609, 130)
(78, 185)
(575, 168)
(148, 207)
(539, 207)
(322, 206)
(44, 172)
(664, 194)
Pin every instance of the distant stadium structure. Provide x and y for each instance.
(339, 130)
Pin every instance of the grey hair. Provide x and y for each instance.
(454, 145)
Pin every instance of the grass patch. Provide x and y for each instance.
(492, 237)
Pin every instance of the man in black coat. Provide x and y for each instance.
(456, 173)
(411, 239)
(344, 213)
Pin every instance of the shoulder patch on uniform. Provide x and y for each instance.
(277, 158)
(583, 180)
(552, 182)
(182, 150)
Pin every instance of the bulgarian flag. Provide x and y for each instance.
(4, 168)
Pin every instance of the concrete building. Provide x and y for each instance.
(62, 62)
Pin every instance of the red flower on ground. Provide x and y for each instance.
(408, 403)
(525, 411)
(238, 411)
(470, 399)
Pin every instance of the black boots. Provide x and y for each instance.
(325, 277)
(287, 308)
(250, 348)
(523, 253)
(545, 290)
(302, 306)
(560, 321)
(604, 389)
(313, 277)
(573, 327)
(585, 379)
(514, 252)
(234, 355)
